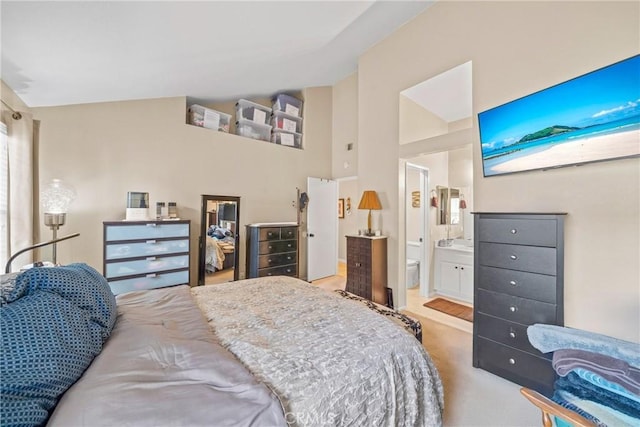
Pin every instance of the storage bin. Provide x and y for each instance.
(247, 110)
(208, 118)
(288, 104)
(249, 129)
(290, 139)
(287, 122)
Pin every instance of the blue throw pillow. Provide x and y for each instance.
(53, 324)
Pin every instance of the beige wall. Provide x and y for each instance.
(513, 56)
(417, 123)
(348, 188)
(107, 149)
(345, 127)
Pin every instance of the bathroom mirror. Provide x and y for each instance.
(448, 205)
(219, 240)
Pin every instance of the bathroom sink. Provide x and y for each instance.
(455, 245)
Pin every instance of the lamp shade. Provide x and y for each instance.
(370, 200)
(57, 196)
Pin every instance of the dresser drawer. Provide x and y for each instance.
(273, 260)
(515, 365)
(149, 230)
(505, 332)
(514, 257)
(269, 233)
(145, 266)
(150, 281)
(515, 309)
(518, 283)
(148, 248)
(279, 246)
(533, 232)
(288, 233)
(288, 270)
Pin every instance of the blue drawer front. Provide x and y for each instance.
(146, 231)
(150, 281)
(144, 266)
(148, 248)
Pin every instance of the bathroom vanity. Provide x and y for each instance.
(453, 270)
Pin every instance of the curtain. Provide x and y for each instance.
(16, 188)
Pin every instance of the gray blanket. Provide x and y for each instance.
(331, 361)
(162, 366)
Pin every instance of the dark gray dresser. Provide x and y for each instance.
(518, 281)
(272, 249)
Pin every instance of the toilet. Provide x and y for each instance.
(413, 264)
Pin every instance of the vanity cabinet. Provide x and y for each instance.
(272, 249)
(518, 281)
(453, 273)
(367, 267)
(145, 254)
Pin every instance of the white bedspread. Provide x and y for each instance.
(331, 361)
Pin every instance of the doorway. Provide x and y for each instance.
(219, 255)
(322, 228)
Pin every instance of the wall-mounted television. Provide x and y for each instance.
(590, 118)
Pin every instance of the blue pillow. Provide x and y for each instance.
(53, 324)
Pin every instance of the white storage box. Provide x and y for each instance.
(247, 110)
(250, 129)
(290, 139)
(283, 121)
(288, 104)
(208, 118)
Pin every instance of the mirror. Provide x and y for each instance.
(448, 205)
(219, 240)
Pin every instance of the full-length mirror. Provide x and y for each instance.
(219, 241)
(448, 205)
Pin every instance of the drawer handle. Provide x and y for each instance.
(150, 242)
(151, 258)
(514, 231)
(461, 268)
(514, 257)
(512, 334)
(152, 275)
(269, 260)
(151, 224)
(512, 361)
(513, 309)
(456, 267)
(269, 274)
(289, 245)
(269, 234)
(513, 283)
(288, 258)
(288, 270)
(270, 247)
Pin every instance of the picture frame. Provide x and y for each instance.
(415, 199)
(340, 208)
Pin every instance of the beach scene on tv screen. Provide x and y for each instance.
(590, 118)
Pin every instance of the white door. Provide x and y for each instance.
(322, 228)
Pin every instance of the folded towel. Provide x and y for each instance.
(575, 385)
(596, 412)
(612, 369)
(598, 381)
(563, 399)
(547, 338)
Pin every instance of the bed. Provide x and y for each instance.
(272, 351)
(220, 249)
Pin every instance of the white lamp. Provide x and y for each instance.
(56, 198)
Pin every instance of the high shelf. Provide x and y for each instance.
(146, 254)
(272, 249)
(518, 281)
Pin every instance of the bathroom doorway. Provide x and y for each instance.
(416, 222)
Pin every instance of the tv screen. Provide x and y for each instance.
(590, 118)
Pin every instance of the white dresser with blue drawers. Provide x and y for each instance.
(145, 254)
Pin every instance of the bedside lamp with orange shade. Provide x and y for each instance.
(369, 201)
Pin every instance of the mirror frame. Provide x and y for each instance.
(445, 196)
(202, 240)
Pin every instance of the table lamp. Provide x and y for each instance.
(56, 198)
(369, 201)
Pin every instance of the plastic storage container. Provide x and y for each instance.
(250, 129)
(283, 121)
(288, 104)
(208, 118)
(290, 139)
(247, 110)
